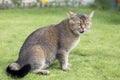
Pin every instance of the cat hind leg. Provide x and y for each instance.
(40, 71)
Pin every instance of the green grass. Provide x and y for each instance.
(97, 57)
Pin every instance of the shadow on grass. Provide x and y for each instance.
(55, 65)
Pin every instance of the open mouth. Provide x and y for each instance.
(81, 30)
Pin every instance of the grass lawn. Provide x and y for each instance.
(97, 57)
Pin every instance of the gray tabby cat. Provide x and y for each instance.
(47, 44)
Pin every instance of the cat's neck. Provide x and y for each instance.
(63, 25)
(64, 28)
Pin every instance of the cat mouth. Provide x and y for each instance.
(81, 30)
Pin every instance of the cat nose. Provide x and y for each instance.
(83, 26)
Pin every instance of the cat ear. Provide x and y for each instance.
(70, 14)
(91, 14)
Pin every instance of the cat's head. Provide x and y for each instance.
(79, 23)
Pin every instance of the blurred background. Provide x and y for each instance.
(97, 56)
(100, 4)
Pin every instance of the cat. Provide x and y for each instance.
(45, 45)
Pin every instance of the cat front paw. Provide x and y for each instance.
(66, 69)
(69, 65)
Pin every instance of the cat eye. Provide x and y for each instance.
(81, 21)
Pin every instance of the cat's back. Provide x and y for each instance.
(41, 35)
(45, 37)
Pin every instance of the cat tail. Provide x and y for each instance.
(15, 70)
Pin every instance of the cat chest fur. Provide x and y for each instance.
(73, 44)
